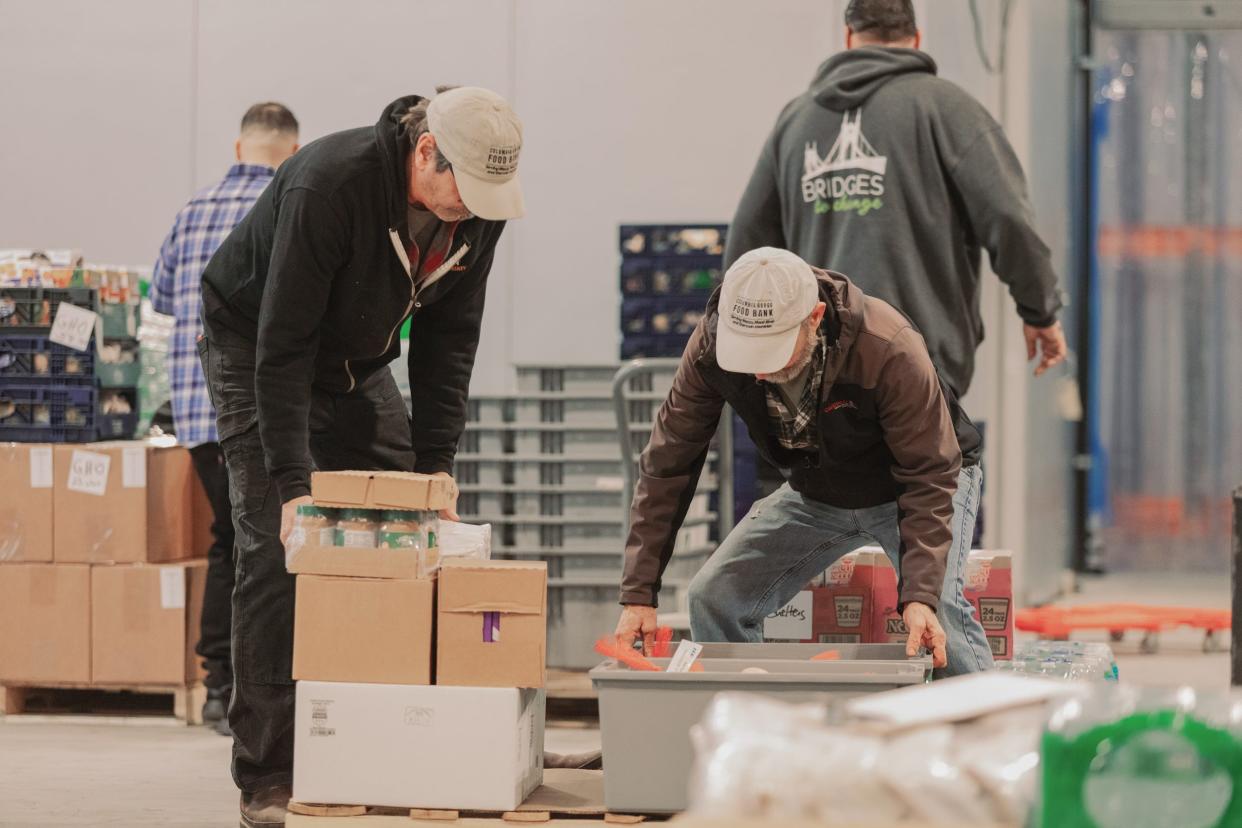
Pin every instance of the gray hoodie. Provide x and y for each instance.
(898, 179)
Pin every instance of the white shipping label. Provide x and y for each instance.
(41, 467)
(73, 326)
(88, 473)
(792, 621)
(683, 659)
(172, 587)
(134, 467)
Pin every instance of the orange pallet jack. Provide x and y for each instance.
(1058, 622)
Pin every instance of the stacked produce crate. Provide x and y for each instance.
(544, 467)
(71, 376)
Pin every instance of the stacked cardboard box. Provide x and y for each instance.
(855, 601)
(98, 585)
(402, 702)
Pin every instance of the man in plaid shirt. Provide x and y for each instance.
(269, 135)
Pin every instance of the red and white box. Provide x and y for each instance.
(855, 601)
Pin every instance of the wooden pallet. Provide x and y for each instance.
(126, 700)
(567, 798)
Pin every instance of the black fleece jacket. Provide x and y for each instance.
(316, 277)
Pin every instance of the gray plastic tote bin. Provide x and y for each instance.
(645, 718)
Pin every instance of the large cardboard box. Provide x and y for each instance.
(407, 746)
(491, 623)
(45, 623)
(201, 537)
(26, 505)
(853, 601)
(124, 502)
(145, 623)
(363, 630)
(989, 587)
(381, 490)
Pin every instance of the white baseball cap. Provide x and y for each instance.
(765, 298)
(481, 137)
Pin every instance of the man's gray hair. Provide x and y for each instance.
(414, 122)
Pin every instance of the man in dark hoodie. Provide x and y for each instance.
(886, 172)
(302, 305)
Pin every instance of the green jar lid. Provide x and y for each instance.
(308, 510)
(357, 514)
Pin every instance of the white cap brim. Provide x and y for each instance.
(490, 200)
(741, 354)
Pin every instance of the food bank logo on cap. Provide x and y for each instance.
(755, 315)
(481, 136)
(765, 298)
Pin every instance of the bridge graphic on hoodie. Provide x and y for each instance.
(851, 151)
(850, 178)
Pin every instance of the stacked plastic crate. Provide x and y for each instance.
(49, 391)
(119, 366)
(544, 468)
(668, 273)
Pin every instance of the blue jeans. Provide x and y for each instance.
(786, 540)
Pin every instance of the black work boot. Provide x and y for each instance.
(216, 708)
(265, 808)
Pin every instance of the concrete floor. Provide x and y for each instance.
(152, 773)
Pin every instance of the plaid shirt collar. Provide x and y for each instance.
(795, 430)
(240, 170)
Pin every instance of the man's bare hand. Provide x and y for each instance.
(287, 513)
(925, 631)
(449, 512)
(1048, 343)
(637, 621)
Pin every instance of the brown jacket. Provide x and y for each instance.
(889, 429)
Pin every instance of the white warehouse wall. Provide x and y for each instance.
(635, 111)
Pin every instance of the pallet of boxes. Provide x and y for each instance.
(100, 596)
(419, 675)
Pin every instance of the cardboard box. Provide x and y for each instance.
(989, 587)
(492, 621)
(123, 502)
(854, 601)
(363, 630)
(201, 536)
(26, 507)
(145, 623)
(381, 490)
(404, 746)
(45, 623)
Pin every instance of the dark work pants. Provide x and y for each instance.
(214, 642)
(368, 428)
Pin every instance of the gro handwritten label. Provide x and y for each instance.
(792, 621)
(88, 473)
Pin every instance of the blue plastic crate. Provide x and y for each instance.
(661, 316)
(33, 411)
(671, 276)
(673, 239)
(33, 309)
(30, 356)
(112, 421)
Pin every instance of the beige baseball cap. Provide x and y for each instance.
(481, 137)
(765, 298)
